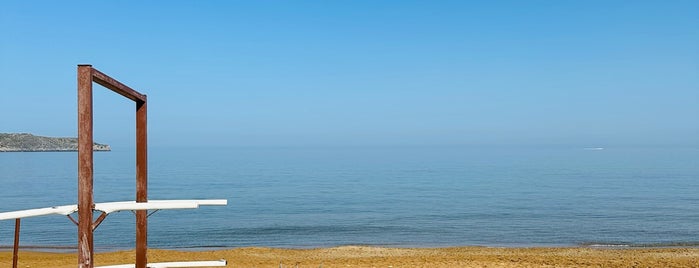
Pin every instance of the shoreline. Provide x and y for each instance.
(106, 249)
(371, 256)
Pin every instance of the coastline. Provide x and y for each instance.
(364, 256)
(50, 151)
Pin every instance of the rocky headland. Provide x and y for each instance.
(25, 142)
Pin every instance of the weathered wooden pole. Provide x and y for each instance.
(85, 168)
(15, 249)
(141, 183)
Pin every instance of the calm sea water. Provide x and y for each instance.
(395, 196)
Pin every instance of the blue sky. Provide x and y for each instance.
(307, 73)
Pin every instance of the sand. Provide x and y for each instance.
(359, 256)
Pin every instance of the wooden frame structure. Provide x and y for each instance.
(86, 205)
(86, 75)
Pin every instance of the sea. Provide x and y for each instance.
(397, 196)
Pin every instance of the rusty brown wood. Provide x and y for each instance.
(116, 86)
(15, 249)
(85, 168)
(73, 220)
(99, 220)
(87, 75)
(141, 183)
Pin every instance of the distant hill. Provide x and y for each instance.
(25, 142)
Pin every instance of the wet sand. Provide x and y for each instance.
(359, 256)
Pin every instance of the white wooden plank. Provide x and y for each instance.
(218, 263)
(133, 205)
(201, 202)
(19, 214)
(110, 207)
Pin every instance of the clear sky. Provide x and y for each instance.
(298, 73)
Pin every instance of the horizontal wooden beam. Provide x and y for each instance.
(57, 210)
(116, 86)
(110, 207)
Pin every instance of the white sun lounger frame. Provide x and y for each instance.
(111, 207)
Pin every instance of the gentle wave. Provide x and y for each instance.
(639, 245)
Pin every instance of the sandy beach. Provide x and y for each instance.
(359, 256)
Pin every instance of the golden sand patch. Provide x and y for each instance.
(359, 256)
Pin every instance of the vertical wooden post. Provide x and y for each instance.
(141, 184)
(15, 249)
(85, 168)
